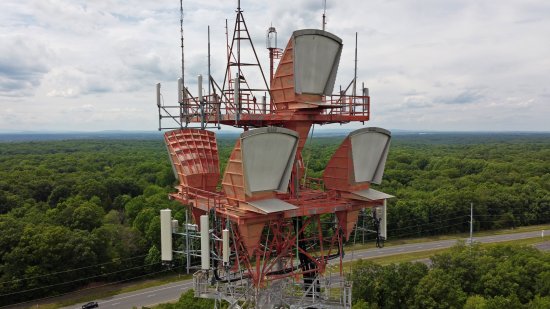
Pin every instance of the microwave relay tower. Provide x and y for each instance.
(263, 234)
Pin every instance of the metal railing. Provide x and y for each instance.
(214, 107)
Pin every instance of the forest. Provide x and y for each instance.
(501, 276)
(78, 213)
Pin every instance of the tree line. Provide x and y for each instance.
(495, 277)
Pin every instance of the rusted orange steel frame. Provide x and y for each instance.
(207, 201)
(195, 160)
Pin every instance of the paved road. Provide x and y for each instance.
(441, 244)
(172, 291)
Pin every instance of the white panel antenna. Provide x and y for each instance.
(381, 213)
(312, 48)
(268, 156)
(180, 90)
(369, 147)
(226, 248)
(158, 94)
(205, 243)
(175, 226)
(166, 234)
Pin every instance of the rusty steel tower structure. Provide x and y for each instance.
(264, 233)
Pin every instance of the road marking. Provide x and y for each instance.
(151, 295)
(115, 304)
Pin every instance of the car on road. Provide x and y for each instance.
(92, 304)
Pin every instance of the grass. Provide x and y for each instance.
(520, 242)
(112, 290)
(403, 241)
(421, 255)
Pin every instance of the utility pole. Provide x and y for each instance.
(187, 250)
(471, 223)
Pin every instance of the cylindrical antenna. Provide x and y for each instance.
(175, 226)
(271, 38)
(158, 106)
(158, 95)
(166, 234)
(237, 96)
(271, 43)
(205, 243)
(180, 91)
(200, 86)
(226, 249)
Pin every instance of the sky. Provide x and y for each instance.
(453, 65)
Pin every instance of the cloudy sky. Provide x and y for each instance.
(467, 65)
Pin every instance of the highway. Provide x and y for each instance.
(172, 291)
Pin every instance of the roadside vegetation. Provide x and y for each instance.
(498, 276)
(81, 213)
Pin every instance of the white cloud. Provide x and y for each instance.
(23, 63)
(441, 65)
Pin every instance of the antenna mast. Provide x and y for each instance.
(183, 109)
(181, 36)
(209, 74)
(324, 14)
(355, 69)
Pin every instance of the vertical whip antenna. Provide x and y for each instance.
(324, 14)
(209, 74)
(183, 109)
(355, 69)
(181, 36)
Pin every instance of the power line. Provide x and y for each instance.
(429, 230)
(77, 280)
(513, 214)
(69, 270)
(463, 216)
(428, 223)
(94, 287)
(448, 214)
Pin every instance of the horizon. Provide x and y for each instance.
(236, 131)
